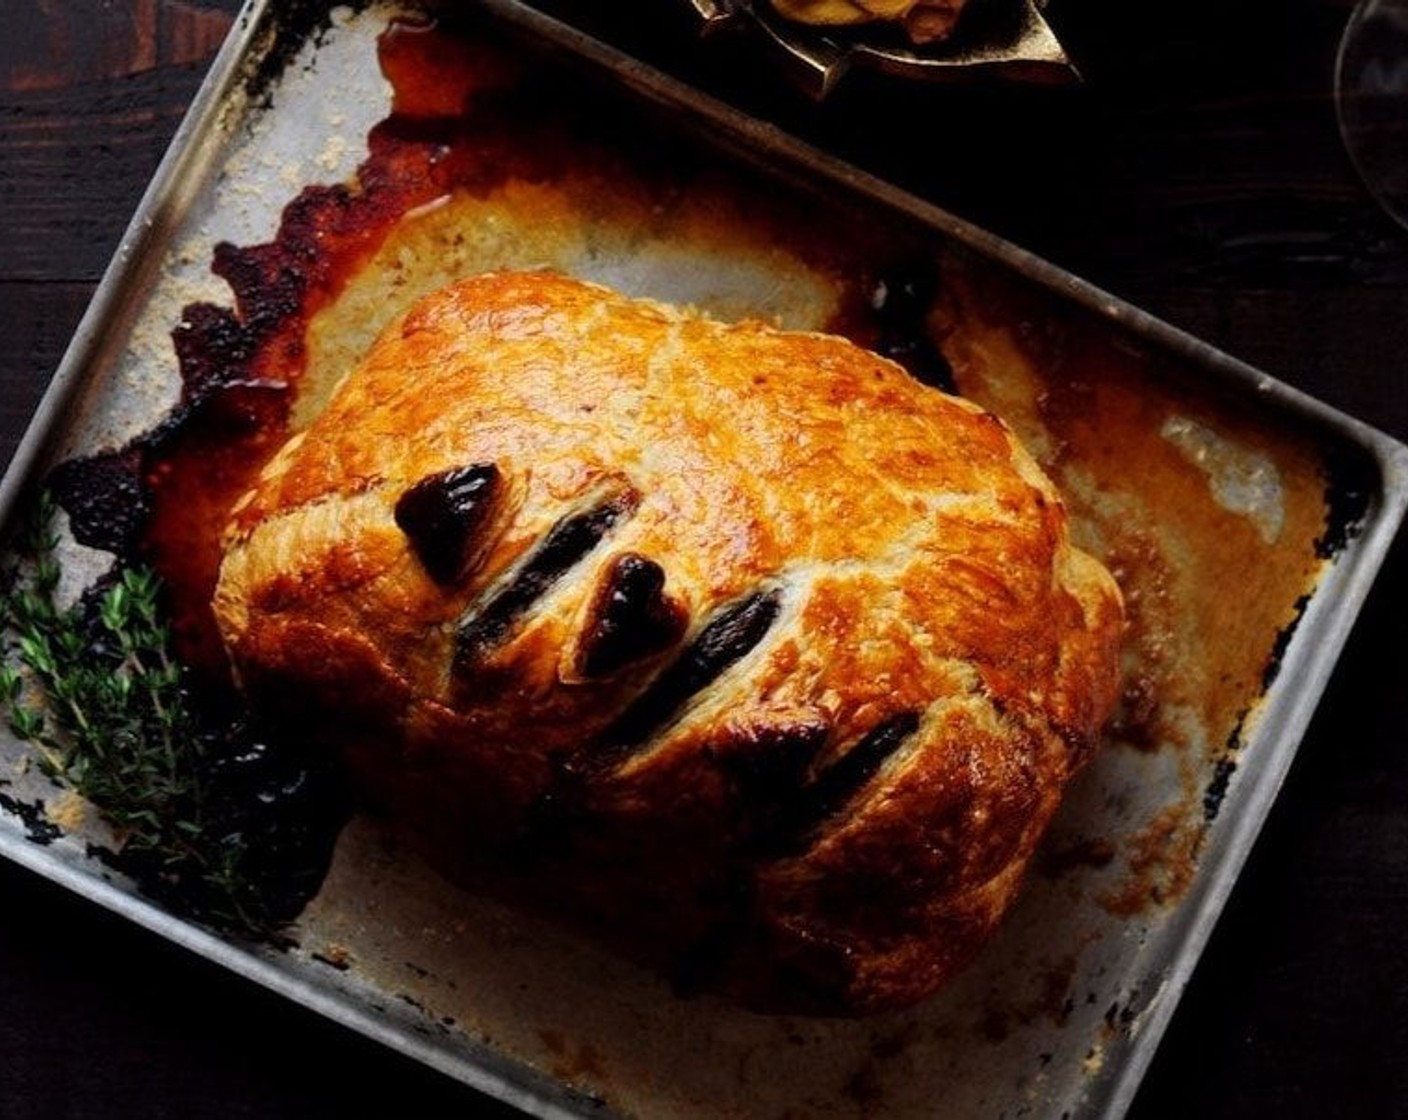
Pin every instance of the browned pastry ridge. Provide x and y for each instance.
(739, 646)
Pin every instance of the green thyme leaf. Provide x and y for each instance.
(95, 687)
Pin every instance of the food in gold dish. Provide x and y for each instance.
(738, 646)
(924, 21)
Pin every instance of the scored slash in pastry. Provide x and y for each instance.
(738, 647)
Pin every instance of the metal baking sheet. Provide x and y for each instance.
(1208, 485)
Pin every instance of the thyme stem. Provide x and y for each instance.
(94, 687)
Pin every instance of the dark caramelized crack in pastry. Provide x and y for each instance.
(737, 647)
(445, 515)
(631, 618)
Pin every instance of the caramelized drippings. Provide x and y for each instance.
(425, 69)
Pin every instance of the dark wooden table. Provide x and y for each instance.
(1198, 172)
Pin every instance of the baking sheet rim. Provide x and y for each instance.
(1285, 719)
(380, 1025)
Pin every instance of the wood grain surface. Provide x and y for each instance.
(1196, 171)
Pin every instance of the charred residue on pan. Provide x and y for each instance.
(291, 26)
(270, 813)
(1224, 766)
(1351, 479)
(37, 825)
(1216, 789)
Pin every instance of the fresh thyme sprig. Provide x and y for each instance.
(94, 688)
(105, 703)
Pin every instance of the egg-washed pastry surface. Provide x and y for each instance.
(924, 21)
(739, 647)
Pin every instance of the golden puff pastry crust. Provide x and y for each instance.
(738, 646)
